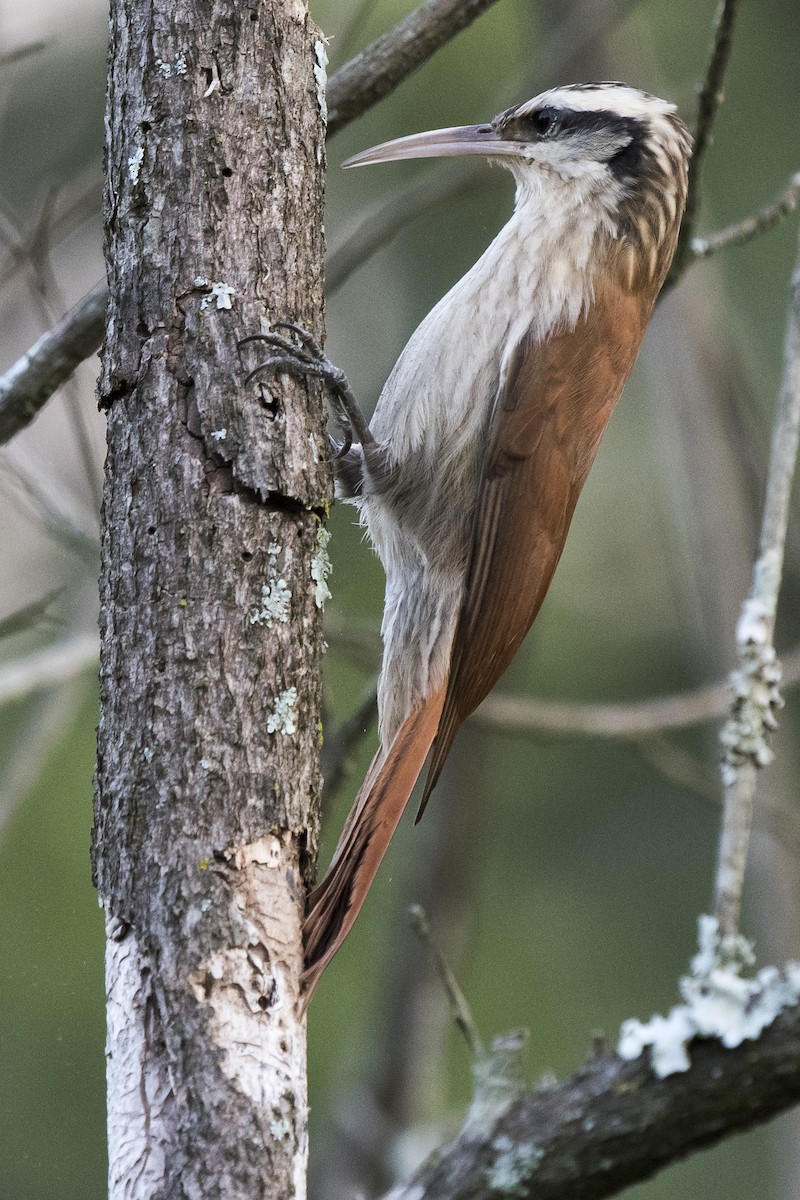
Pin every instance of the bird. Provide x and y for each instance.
(468, 473)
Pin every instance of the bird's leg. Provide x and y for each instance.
(308, 358)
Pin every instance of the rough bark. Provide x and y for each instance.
(613, 1123)
(207, 774)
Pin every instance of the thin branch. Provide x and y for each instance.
(746, 735)
(49, 510)
(50, 300)
(766, 218)
(515, 714)
(778, 821)
(391, 58)
(27, 386)
(459, 1008)
(42, 728)
(24, 618)
(339, 747)
(526, 714)
(613, 1123)
(8, 57)
(49, 666)
(708, 104)
(377, 228)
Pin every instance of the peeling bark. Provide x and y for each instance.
(207, 775)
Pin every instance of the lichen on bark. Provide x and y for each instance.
(205, 828)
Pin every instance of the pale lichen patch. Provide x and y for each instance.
(276, 595)
(321, 568)
(321, 77)
(719, 1002)
(223, 293)
(135, 164)
(513, 1165)
(281, 719)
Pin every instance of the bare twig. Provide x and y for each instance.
(20, 52)
(459, 1008)
(614, 1123)
(78, 203)
(778, 821)
(41, 730)
(27, 386)
(49, 510)
(751, 227)
(634, 719)
(49, 666)
(708, 104)
(28, 615)
(746, 734)
(515, 714)
(391, 58)
(375, 229)
(339, 747)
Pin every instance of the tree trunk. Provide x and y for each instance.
(207, 775)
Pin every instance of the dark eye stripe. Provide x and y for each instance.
(545, 121)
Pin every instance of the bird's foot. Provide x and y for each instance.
(306, 357)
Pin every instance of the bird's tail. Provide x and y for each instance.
(334, 905)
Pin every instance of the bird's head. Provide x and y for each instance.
(603, 143)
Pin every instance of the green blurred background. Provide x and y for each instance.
(563, 875)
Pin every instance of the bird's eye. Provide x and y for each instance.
(544, 121)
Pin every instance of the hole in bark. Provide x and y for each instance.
(253, 16)
(247, 555)
(269, 403)
(263, 1003)
(151, 528)
(146, 126)
(227, 172)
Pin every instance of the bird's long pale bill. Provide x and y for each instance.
(440, 143)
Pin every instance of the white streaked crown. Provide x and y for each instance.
(600, 97)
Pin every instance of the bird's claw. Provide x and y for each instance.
(308, 358)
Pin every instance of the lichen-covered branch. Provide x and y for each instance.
(613, 1123)
(745, 736)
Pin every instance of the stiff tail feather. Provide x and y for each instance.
(334, 905)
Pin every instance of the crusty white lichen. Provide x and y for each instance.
(223, 293)
(719, 1002)
(321, 77)
(513, 1165)
(135, 164)
(757, 698)
(281, 719)
(276, 595)
(321, 568)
